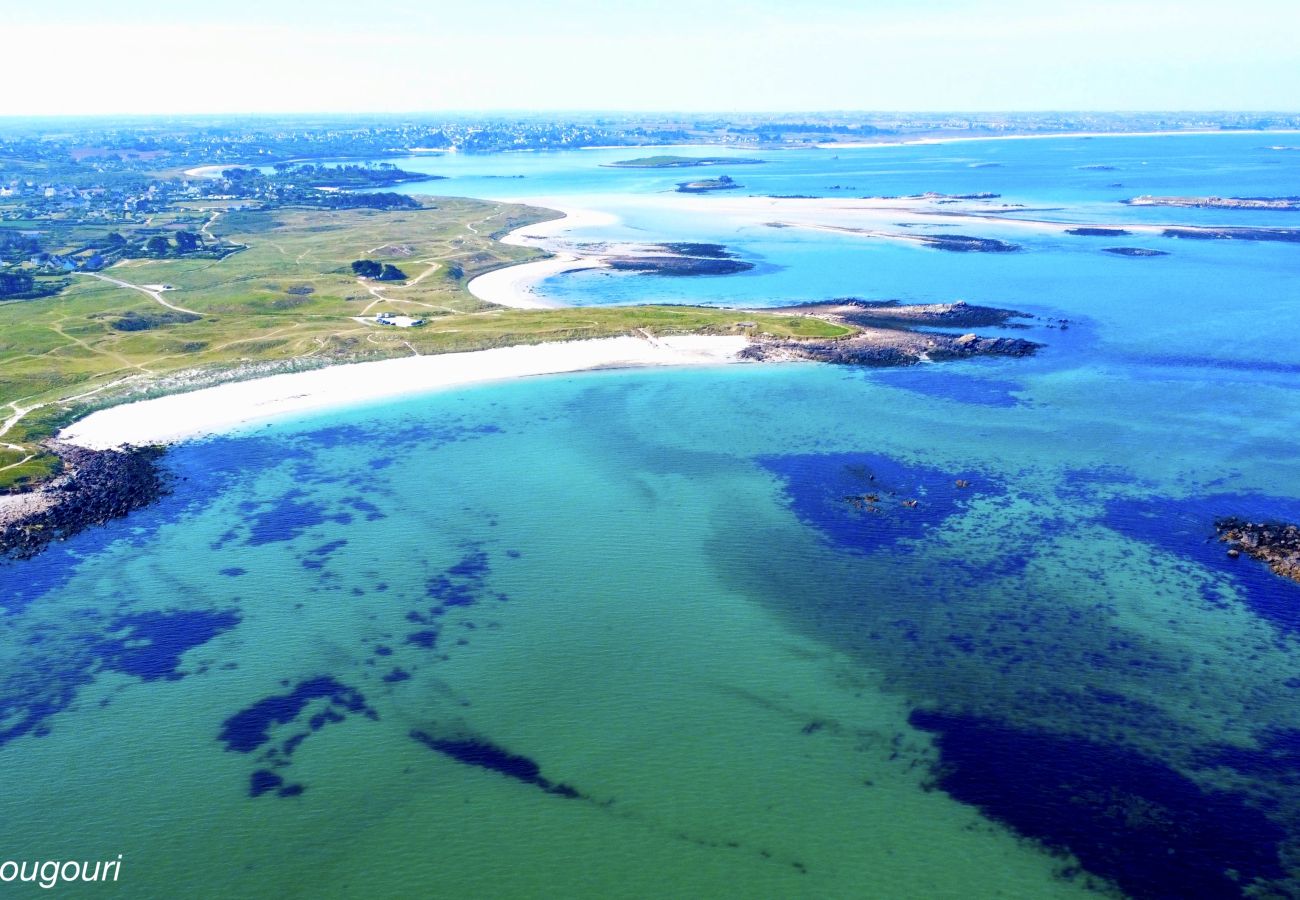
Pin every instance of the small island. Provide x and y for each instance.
(965, 243)
(682, 162)
(704, 186)
(1095, 231)
(1134, 251)
(887, 335)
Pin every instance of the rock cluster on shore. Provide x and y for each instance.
(1273, 543)
(880, 348)
(888, 334)
(99, 485)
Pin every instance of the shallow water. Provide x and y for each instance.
(621, 634)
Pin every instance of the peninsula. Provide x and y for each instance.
(682, 162)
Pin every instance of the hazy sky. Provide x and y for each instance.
(163, 56)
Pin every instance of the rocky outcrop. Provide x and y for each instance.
(98, 485)
(1287, 203)
(704, 186)
(892, 314)
(1274, 543)
(881, 348)
(1096, 231)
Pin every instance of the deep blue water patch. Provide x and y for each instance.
(865, 502)
(485, 755)
(1127, 817)
(1185, 527)
(949, 384)
(233, 571)
(398, 674)
(149, 645)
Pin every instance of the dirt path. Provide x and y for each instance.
(156, 295)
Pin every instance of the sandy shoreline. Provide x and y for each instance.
(233, 406)
(513, 286)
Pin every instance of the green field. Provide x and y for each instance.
(290, 298)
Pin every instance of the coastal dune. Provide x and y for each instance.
(229, 407)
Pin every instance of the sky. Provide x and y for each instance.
(171, 56)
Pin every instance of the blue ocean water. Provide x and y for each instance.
(645, 633)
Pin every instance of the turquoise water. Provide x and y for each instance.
(619, 634)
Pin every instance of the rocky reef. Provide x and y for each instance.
(1282, 235)
(1287, 203)
(705, 185)
(1095, 231)
(1275, 544)
(681, 258)
(97, 485)
(869, 348)
(1134, 251)
(888, 335)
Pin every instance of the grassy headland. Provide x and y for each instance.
(287, 300)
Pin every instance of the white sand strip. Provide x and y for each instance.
(515, 286)
(229, 407)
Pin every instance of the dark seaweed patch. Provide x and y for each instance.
(949, 385)
(284, 520)
(833, 492)
(154, 641)
(148, 645)
(250, 728)
(485, 755)
(262, 781)
(397, 675)
(1127, 817)
(233, 571)
(361, 505)
(426, 639)
(1276, 757)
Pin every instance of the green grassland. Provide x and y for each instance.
(290, 298)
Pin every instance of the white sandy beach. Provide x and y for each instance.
(231, 407)
(514, 285)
